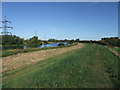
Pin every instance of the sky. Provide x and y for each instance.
(62, 20)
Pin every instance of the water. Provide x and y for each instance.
(25, 47)
(49, 45)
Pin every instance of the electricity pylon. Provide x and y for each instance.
(5, 27)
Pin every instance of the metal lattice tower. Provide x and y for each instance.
(5, 27)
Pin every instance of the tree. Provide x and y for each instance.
(52, 40)
(11, 40)
(61, 44)
(33, 41)
(112, 41)
(71, 41)
(77, 40)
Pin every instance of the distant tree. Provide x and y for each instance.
(52, 40)
(77, 40)
(65, 40)
(112, 41)
(0, 39)
(33, 41)
(61, 44)
(45, 42)
(71, 41)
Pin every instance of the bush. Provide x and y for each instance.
(6, 47)
(11, 40)
(112, 41)
(61, 44)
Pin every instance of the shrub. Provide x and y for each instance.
(61, 44)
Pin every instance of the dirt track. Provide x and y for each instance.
(16, 61)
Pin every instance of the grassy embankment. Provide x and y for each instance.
(116, 49)
(93, 66)
(16, 51)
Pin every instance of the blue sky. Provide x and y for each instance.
(63, 20)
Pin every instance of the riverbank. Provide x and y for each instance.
(16, 51)
(14, 62)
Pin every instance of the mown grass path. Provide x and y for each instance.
(93, 66)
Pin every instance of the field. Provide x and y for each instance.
(93, 66)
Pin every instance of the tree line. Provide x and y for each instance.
(35, 41)
(16, 40)
(112, 41)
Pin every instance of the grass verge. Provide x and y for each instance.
(116, 49)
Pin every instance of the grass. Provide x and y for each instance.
(93, 66)
(116, 49)
(16, 51)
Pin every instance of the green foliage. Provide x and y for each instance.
(52, 40)
(71, 41)
(61, 44)
(77, 69)
(6, 47)
(16, 51)
(11, 40)
(45, 42)
(65, 40)
(34, 41)
(77, 40)
(112, 41)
